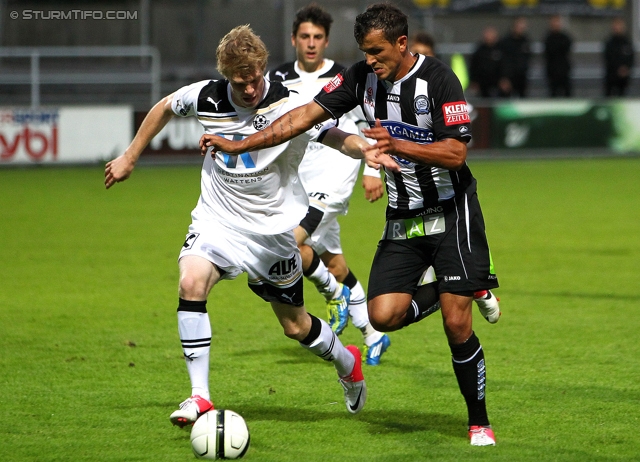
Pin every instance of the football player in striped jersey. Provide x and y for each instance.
(418, 115)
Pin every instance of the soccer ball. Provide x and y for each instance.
(220, 434)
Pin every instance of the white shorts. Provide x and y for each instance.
(272, 262)
(326, 237)
(329, 178)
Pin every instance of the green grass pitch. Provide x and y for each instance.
(91, 365)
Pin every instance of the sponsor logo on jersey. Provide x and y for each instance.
(456, 113)
(452, 278)
(368, 97)
(430, 210)
(463, 129)
(182, 109)
(260, 122)
(333, 83)
(404, 131)
(249, 159)
(393, 98)
(421, 105)
(282, 75)
(401, 161)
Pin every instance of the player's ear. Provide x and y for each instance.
(293, 40)
(401, 43)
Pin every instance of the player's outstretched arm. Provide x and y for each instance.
(358, 148)
(120, 168)
(448, 153)
(288, 126)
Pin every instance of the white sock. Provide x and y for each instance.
(195, 336)
(370, 335)
(324, 281)
(358, 306)
(329, 347)
(360, 316)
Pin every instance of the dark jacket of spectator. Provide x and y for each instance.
(516, 53)
(484, 66)
(618, 54)
(557, 53)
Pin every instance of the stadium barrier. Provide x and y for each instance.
(63, 135)
(558, 124)
(73, 134)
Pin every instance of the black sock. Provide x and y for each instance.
(469, 367)
(314, 332)
(315, 261)
(195, 306)
(350, 280)
(425, 301)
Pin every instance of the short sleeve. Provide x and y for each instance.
(185, 99)
(339, 95)
(318, 131)
(451, 111)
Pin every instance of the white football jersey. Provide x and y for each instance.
(323, 169)
(258, 191)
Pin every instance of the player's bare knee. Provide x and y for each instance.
(192, 288)
(457, 328)
(385, 320)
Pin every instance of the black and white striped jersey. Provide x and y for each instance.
(425, 106)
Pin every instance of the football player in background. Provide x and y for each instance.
(329, 177)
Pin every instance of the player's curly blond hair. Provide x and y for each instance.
(241, 52)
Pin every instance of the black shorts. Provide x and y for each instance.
(292, 295)
(452, 239)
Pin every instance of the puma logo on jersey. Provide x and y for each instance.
(215, 103)
(288, 297)
(282, 75)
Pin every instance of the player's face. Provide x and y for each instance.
(385, 58)
(310, 42)
(247, 89)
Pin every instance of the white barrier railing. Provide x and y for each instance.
(35, 77)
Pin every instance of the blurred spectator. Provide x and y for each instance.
(557, 50)
(422, 43)
(516, 51)
(618, 56)
(484, 67)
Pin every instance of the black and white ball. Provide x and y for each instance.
(220, 434)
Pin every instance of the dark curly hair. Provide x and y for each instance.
(314, 14)
(381, 16)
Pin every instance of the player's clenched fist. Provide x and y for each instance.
(218, 143)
